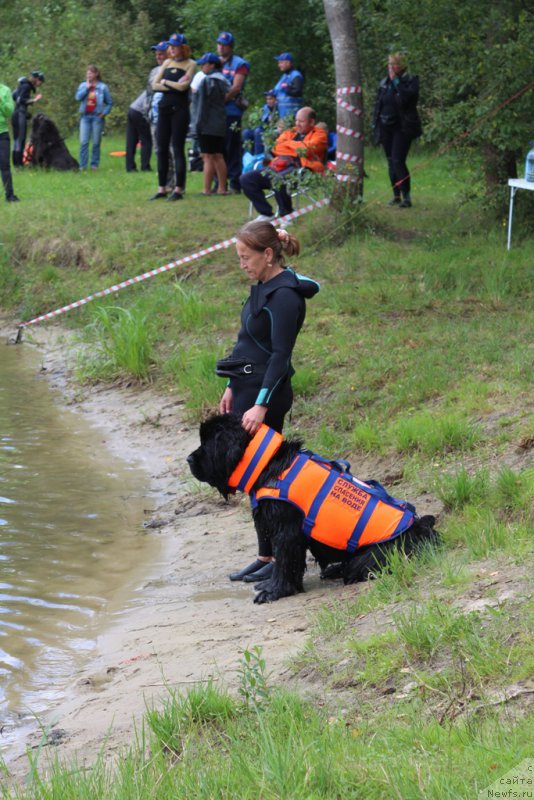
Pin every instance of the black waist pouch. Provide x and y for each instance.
(234, 368)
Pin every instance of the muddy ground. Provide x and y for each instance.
(191, 623)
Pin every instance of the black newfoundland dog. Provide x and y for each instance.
(222, 453)
(49, 149)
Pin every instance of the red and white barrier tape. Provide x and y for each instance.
(349, 90)
(343, 131)
(165, 268)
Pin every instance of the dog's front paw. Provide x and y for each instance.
(264, 596)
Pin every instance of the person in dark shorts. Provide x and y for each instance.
(259, 367)
(210, 121)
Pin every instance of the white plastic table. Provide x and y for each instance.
(515, 184)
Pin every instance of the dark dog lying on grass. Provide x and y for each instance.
(49, 149)
(355, 527)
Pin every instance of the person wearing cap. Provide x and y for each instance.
(210, 121)
(153, 99)
(288, 90)
(23, 98)
(235, 69)
(269, 117)
(95, 102)
(173, 80)
(305, 146)
(7, 106)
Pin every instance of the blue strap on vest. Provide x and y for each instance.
(254, 461)
(352, 544)
(309, 522)
(339, 464)
(379, 491)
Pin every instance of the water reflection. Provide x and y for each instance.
(71, 537)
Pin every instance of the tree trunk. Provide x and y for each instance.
(349, 157)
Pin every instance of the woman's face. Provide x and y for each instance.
(91, 75)
(257, 264)
(176, 52)
(394, 66)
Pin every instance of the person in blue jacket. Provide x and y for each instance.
(95, 104)
(269, 115)
(289, 89)
(235, 69)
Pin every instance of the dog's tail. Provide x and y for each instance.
(429, 535)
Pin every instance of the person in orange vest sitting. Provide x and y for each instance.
(303, 145)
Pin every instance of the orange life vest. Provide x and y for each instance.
(338, 509)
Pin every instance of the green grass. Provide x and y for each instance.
(294, 751)
(415, 363)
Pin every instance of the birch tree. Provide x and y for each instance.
(349, 127)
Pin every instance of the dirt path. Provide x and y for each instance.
(191, 623)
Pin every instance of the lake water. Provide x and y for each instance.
(72, 543)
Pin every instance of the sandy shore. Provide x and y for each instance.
(188, 623)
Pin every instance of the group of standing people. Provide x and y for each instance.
(162, 116)
(214, 116)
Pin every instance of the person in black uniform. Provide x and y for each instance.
(260, 370)
(396, 123)
(23, 98)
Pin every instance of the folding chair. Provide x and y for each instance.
(298, 190)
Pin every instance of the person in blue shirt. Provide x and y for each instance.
(288, 90)
(235, 69)
(269, 115)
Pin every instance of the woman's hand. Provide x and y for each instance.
(227, 401)
(253, 418)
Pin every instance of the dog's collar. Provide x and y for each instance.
(259, 452)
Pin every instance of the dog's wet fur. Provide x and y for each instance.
(49, 149)
(222, 444)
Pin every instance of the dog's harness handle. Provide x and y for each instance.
(261, 448)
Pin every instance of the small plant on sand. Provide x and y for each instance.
(253, 686)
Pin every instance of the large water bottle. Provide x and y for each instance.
(529, 164)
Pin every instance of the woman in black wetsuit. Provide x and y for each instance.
(260, 371)
(173, 80)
